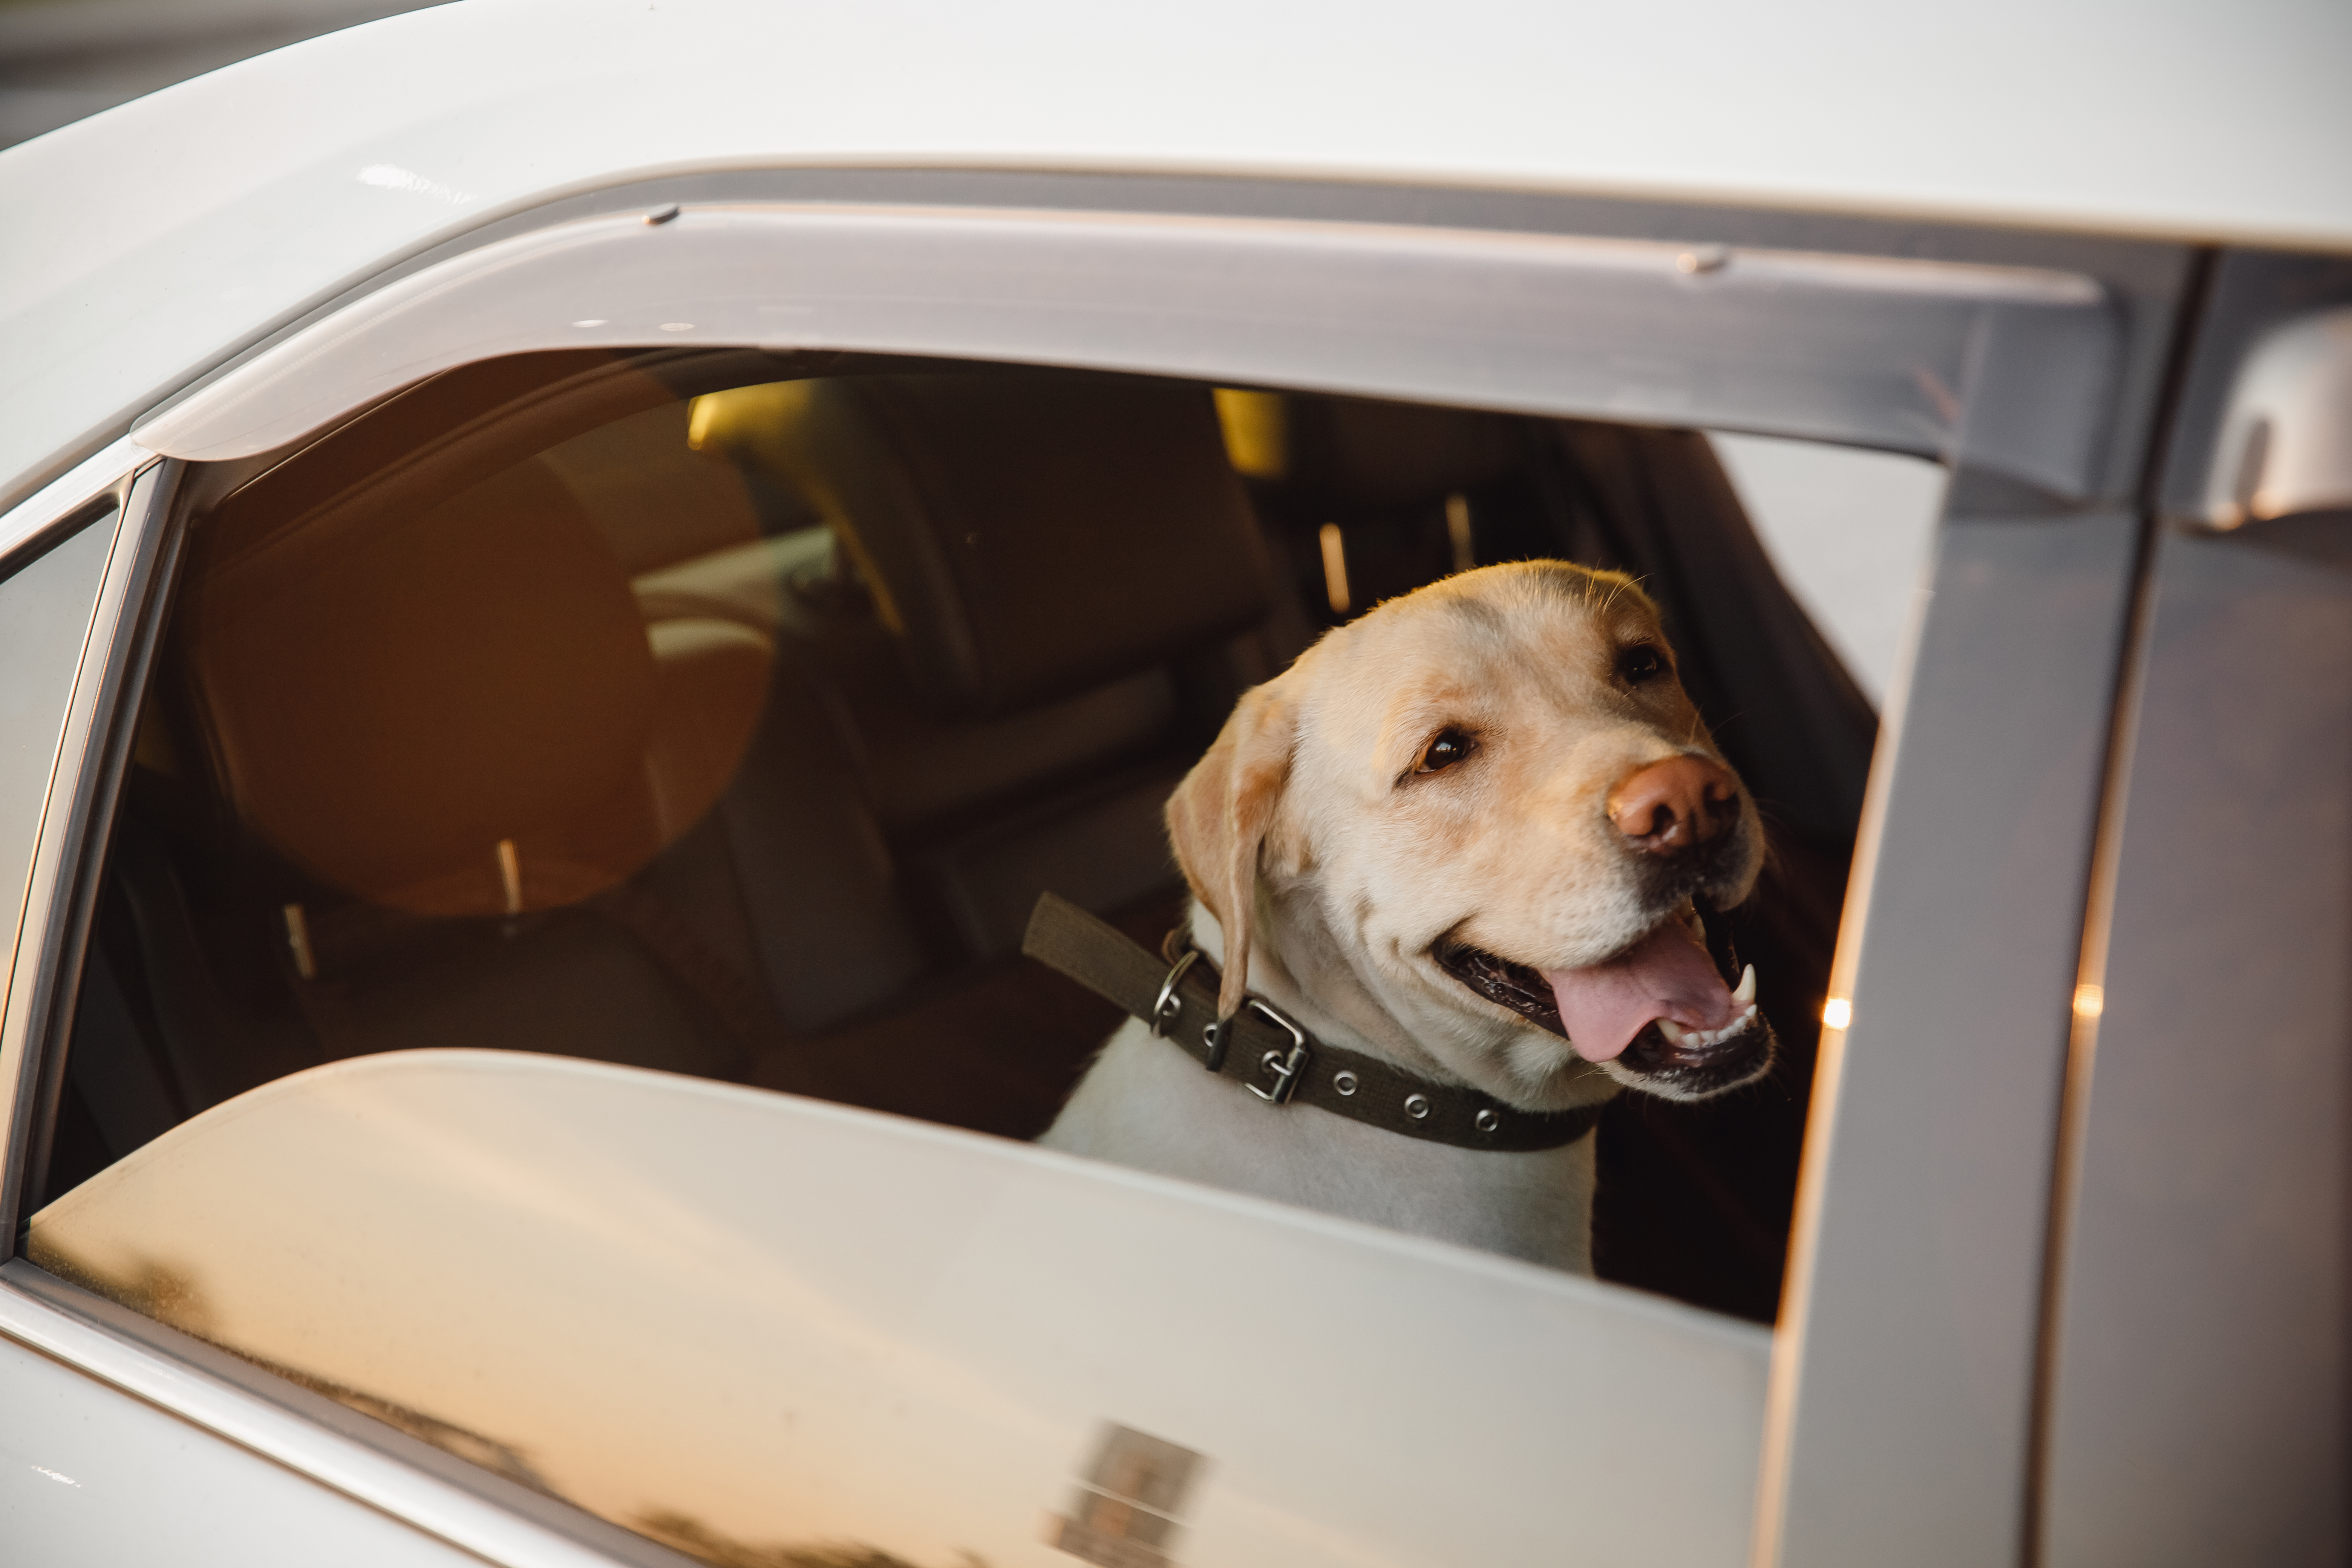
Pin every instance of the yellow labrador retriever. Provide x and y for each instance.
(1465, 844)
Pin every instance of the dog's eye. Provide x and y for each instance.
(1640, 662)
(1449, 748)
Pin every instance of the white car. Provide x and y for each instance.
(570, 572)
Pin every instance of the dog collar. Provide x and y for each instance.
(1268, 1053)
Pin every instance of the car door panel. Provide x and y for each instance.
(921, 1331)
(91, 1475)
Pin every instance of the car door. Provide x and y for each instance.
(2194, 1365)
(985, 1335)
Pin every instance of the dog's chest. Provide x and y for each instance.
(1148, 1106)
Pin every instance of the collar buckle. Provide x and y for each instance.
(1287, 1069)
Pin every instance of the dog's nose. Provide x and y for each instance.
(1674, 806)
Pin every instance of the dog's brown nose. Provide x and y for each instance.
(1674, 806)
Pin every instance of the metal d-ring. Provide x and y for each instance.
(1167, 1005)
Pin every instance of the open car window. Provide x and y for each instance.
(724, 715)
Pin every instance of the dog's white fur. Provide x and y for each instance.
(1325, 869)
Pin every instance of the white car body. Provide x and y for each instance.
(208, 273)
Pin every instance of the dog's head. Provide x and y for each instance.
(1484, 823)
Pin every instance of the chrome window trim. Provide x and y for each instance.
(2006, 370)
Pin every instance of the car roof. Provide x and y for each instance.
(145, 243)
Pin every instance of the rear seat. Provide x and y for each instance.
(475, 747)
(1034, 600)
(444, 726)
(1024, 625)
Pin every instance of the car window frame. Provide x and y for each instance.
(20, 835)
(97, 492)
(91, 753)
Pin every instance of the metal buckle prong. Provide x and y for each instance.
(1286, 1069)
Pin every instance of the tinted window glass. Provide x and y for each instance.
(47, 593)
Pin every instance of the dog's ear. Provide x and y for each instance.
(1219, 818)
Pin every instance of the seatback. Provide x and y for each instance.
(441, 724)
(1029, 573)
(445, 711)
(735, 735)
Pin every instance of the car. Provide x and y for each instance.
(570, 574)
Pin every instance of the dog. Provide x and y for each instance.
(1475, 835)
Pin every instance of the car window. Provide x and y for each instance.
(1848, 531)
(725, 715)
(47, 592)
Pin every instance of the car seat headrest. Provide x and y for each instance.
(443, 708)
(1027, 534)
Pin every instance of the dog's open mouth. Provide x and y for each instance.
(1676, 1007)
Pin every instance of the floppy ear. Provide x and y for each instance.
(1218, 816)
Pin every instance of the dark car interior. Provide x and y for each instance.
(726, 712)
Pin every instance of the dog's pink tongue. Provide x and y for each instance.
(1667, 975)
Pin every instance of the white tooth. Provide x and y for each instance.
(1674, 1033)
(1747, 992)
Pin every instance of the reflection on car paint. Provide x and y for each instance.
(1124, 1513)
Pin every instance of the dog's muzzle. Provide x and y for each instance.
(1662, 1058)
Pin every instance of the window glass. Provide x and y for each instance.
(47, 593)
(1848, 531)
(726, 715)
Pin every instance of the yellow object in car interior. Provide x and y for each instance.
(1256, 426)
